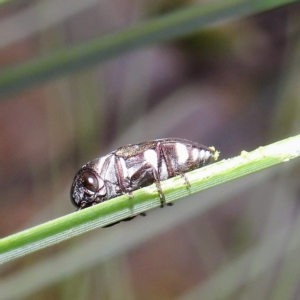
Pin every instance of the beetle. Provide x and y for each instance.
(134, 166)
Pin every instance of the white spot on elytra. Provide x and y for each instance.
(151, 157)
(207, 155)
(202, 155)
(195, 154)
(182, 153)
(124, 168)
(164, 171)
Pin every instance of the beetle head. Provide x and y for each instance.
(87, 188)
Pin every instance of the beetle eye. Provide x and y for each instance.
(89, 181)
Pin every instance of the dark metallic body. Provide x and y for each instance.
(134, 166)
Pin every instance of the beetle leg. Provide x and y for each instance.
(129, 218)
(147, 171)
(163, 150)
(167, 157)
(161, 194)
(123, 185)
(105, 167)
(112, 224)
(129, 193)
(188, 185)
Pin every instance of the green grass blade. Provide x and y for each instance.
(74, 224)
(162, 29)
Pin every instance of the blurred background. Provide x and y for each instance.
(234, 86)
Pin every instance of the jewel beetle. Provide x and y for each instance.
(134, 166)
